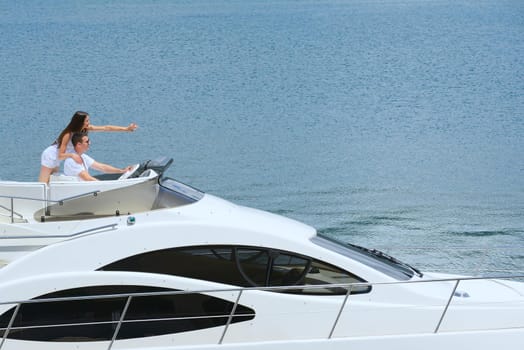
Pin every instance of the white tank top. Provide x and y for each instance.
(69, 147)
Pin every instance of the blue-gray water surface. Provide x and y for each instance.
(395, 124)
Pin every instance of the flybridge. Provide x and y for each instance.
(28, 202)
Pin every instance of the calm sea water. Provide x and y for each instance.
(395, 124)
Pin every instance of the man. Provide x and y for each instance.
(80, 142)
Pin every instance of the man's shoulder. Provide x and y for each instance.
(88, 161)
(72, 168)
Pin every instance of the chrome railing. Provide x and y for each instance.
(229, 316)
(12, 212)
(70, 235)
(44, 200)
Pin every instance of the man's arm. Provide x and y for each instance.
(108, 169)
(84, 175)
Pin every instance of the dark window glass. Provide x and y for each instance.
(96, 320)
(320, 273)
(287, 270)
(244, 267)
(178, 313)
(253, 265)
(206, 263)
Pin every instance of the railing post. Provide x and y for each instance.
(447, 306)
(11, 321)
(12, 210)
(230, 318)
(340, 312)
(115, 334)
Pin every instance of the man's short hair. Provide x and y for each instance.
(77, 137)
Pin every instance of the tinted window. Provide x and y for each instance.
(181, 190)
(96, 320)
(206, 263)
(253, 264)
(242, 266)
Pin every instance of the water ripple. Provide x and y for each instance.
(486, 233)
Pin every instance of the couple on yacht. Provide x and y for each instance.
(81, 143)
(64, 149)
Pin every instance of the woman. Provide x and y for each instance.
(62, 148)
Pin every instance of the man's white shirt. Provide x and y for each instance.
(72, 168)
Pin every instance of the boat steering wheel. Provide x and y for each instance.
(130, 172)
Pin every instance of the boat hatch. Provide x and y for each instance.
(369, 257)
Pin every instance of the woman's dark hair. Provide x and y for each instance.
(75, 125)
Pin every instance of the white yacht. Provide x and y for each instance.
(161, 265)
